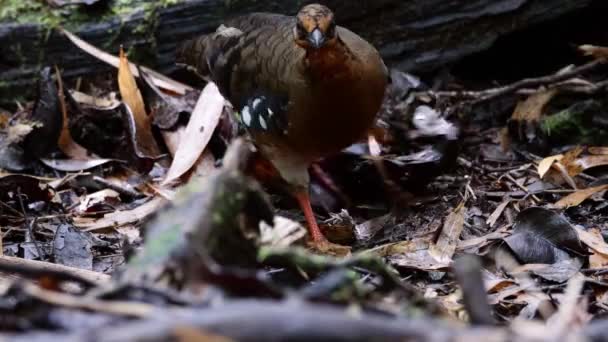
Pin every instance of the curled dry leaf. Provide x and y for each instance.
(545, 165)
(203, 121)
(578, 197)
(66, 143)
(132, 98)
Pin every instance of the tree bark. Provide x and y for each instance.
(411, 35)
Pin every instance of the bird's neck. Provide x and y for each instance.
(330, 63)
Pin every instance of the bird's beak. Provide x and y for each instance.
(316, 38)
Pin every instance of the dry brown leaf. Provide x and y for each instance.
(570, 161)
(131, 96)
(205, 117)
(491, 221)
(593, 239)
(597, 52)
(71, 148)
(598, 150)
(545, 165)
(160, 80)
(445, 247)
(120, 217)
(588, 162)
(578, 197)
(493, 282)
(531, 109)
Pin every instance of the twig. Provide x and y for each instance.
(30, 225)
(468, 273)
(38, 269)
(489, 94)
(125, 308)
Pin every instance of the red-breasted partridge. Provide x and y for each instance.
(304, 87)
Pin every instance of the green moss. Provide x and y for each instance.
(36, 11)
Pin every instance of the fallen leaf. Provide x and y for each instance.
(72, 247)
(578, 197)
(598, 150)
(409, 254)
(166, 109)
(541, 236)
(89, 201)
(559, 272)
(160, 80)
(132, 98)
(494, 283)
(66, 143)
(531, 109)
(545, 165)
(588, 162)
(444, 249)
(491, 221)
(570, 161)
(366, 230)
(593, 239)
(203, 121)
(283, 233)
(120, 217)
(597, 52)
(74, 165)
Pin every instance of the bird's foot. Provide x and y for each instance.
(329, 248)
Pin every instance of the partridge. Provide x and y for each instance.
(304, 87)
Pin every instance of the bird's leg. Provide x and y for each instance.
(303, 199)
(328, 182)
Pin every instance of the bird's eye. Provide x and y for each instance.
(331, 30)
(301, 30)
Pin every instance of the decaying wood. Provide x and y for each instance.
(411, 35)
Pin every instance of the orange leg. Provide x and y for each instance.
(313, 228)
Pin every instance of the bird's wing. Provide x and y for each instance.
(254, 62)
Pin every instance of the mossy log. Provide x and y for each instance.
(411, 35)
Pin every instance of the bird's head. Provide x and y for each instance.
(315, 27)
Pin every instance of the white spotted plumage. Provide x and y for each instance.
(256, 103)
(263, 123)
(246, 116)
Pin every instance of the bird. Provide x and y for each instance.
(303, 87)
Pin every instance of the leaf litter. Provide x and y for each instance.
(458, 232)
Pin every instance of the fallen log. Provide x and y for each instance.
(411, 35)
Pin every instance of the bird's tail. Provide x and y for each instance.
(209, 55)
